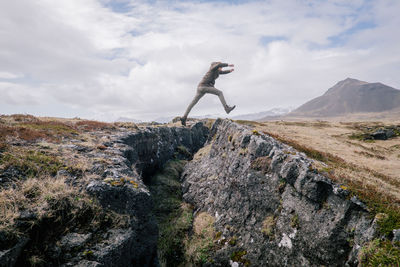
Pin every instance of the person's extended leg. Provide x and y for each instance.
(191, 105)
(215, 91)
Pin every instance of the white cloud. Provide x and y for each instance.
(9, 75)
(146, 62)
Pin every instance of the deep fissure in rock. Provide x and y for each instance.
(152, 148)
(174, 217)
(158, 155)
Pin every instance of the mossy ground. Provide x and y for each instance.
(34, 201)
(178, 245)
(239, 256)
(30, 163)
(173, 216)
(200, 246)
(380, 253)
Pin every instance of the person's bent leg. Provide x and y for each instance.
(220, 94)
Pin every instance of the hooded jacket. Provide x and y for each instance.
(212, 74)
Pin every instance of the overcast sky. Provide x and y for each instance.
(107, 59)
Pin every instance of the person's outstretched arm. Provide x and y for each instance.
(220, 65)
(226, 71)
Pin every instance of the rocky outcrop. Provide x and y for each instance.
(270, 207)
(9, 257)
(115, 174)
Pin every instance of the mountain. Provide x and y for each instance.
(351, 96)
(126, 119)
(259, 115)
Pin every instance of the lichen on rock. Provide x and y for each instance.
(303, 220)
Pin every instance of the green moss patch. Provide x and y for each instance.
(380, 253)
(173, 216)
(239, 256)
(176, 247)
(30, 163)
(294, 221)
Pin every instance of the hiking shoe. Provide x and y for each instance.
(183, 121)
(229, 109)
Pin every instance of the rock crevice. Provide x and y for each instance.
(137, 156)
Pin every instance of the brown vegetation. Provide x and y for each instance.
(29, 128)
(199, 247)
(21, 133)
(372, 164)
(88, 125)
(369, 170)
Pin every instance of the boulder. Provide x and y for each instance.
(379, 135)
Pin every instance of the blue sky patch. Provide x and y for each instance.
(343, 37)
(264, 40)
(119, 6)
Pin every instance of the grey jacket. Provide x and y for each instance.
(212, 74)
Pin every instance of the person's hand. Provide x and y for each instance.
(231, 65)
(232, 70)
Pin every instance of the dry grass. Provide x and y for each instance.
(199, 246)
(370, 164)
(22, 133)
(89, 125)
(19, 118)
(54, 128)
(202, 152)
(46, 208)
(30, 128)
(261, 164)
(268, 226)
(37, 203)
(44, 197)
(370, 170)
(203, 224)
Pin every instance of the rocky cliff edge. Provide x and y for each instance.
(269, 207)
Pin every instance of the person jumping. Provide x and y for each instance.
(206, 86)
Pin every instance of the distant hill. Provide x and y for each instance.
(274, 112)
(351, 96)
(126, 119)
(259, 115)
